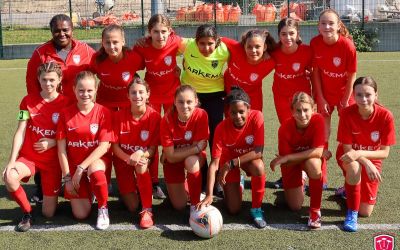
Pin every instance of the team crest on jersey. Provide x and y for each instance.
(249, 139)
(375, 136)
(144, 135)
(188, 135)
(253, 77)
(54, 117)
(296, 66)
(168, 60)
(337, 61)
(76, 59)
(214, 63)
(94, 127)
(126, 76)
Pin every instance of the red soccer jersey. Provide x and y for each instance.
(291, 140)
(290, 71)
(44, 117)
(77, 60)
(83, 133)
(334, 61)
(133, 135)
(367, 134)
(114, 78)
(248, 77)
(178, 134)
(230, 142)
(161, 72)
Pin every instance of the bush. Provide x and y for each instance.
(365, 40)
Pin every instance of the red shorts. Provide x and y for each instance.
(85, 191)
(233, 175)
(50, 175)
(292, 176)
(334, 101)
(126, 178)
(175, 172)
(282, 107)
(369, 189)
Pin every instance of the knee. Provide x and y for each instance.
(48, 213)
(192, 163)
(179, 206)
(81, 215)
(132, 207)
(295, 207)
(313, 167)
(257, 167)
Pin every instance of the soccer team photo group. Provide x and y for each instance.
(203, 133)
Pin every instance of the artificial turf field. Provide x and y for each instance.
(285, 228)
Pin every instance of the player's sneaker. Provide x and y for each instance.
(25, 223)
(146, 219)
(258, 217)
(103, 220)
(341, 192)
(242, 183)
(278, 184)
(158, 193)
(350, 223)
(314, 221)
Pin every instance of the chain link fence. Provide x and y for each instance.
(26, 21)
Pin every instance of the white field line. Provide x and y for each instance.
(176, 227)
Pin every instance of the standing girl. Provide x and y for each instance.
(301, 144)
(83, 135)
(158, 53)
(334, 68)
(136, 132)
(184, 134)
(249, 63)
(239, 144)
(366, 132)
(33, 148)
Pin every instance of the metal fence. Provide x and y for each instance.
(26, 21)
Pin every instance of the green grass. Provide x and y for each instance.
(12, 89)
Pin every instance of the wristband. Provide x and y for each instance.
(238, 161)
(81, 168)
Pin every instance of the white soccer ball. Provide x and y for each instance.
(206, 222)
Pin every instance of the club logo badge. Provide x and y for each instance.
(375, 136)
(253, 77)
(214, 63)
(188, 135)
(54, 117)
(296, 66)
(94, 127)
(168, 60)
(126, 76)
(337, 61)
(144, 135)
(76, 59)
(249, 139)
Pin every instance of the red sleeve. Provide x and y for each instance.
(344, 130)
(137, 61)
(165, 132)
(351, 57)
(116, 122)
(283, 142)
(319, 131)
(259, 129)
(61, 127)
(230, 43)
(156, 120)
(93, 64)
(106, 133)
(217, 142)
(32, 83)
(23, 105)
(389, 136)
(203, 132)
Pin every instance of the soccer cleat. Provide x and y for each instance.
(146, 219)
(325, 186)
(341, 192)
(37, 198)
(158, 193)
(350, 223)
(314, 221)
(258, 217)
(103, 220)
(278, 184)
(242, 183)
(25, 223)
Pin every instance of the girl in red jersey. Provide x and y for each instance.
(34, 144)
(249, 63)
(238, 144)
(72, 55)
(334, 68)
(136, 132)
(301, 145)
(158, 52)
(83, 135)
(115, 65)
(366, 132)
(184, 134)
